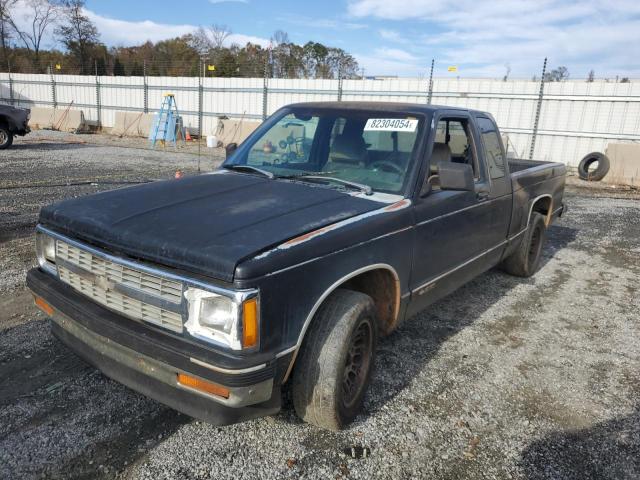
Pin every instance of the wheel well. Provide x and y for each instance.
(4, 122)
(383, 287)
(542, 205)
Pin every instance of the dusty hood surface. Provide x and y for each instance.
(205, 224)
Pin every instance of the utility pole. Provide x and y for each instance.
(54, 99)
(430, 94)
(340, 80)
(536, 120)
(264, 84)
(145, 86)
(98, 99)
(200, 93)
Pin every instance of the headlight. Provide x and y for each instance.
(46, 252)
(232, 322)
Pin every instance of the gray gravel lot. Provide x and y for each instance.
(507, 378)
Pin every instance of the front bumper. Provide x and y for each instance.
(149, 361)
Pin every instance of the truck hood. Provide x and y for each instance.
(205, 224)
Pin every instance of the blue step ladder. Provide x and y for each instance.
(167, 124)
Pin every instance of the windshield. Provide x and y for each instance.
(340, 148)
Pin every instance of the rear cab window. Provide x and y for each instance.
(494, 156)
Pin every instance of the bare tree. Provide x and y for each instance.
(219, 33)
(557, 75)
(200, 41)
(41, 15)
(280, 37)
(77, 33)
(507, 66)
(6, 10)
(591, 77)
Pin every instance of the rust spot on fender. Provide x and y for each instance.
(398, 205)
(321, 231)
(308, 236)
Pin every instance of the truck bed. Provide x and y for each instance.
(518, 164)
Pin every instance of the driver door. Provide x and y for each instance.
(455, 230)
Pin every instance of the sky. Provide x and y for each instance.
(400, 37)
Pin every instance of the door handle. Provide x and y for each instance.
(482, 195)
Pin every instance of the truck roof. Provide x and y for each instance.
(382, 106)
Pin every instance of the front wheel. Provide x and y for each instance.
(525, 261)
(6, 138)
(336, 360)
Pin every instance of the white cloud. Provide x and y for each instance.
(115, 32)
(391, 35)
(395, 54)
(242, 40)
(390, 61)
(483, 35)
(123, 32)
(326, 23)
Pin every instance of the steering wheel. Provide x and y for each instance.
(387, 166)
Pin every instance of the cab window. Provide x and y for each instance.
(492, 149)
(454, 143)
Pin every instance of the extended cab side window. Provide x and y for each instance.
(454, 143)
(493, 152)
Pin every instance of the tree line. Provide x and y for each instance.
(206, 51)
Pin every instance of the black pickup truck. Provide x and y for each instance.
(327, 227)
(13, 121)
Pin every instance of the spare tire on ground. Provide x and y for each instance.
(600, 171)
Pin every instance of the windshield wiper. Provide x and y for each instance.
(250, 168)
(323, 179)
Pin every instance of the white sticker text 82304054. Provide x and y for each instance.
(391, 124)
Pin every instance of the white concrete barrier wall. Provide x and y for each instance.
(576, 117)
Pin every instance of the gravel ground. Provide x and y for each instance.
(506, 378)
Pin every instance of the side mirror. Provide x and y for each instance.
(230, 148)
(456, 176)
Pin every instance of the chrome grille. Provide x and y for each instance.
(107, 283)
(160, 287)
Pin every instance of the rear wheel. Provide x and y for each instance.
(336, 360)
(525, 261)
(6, 138)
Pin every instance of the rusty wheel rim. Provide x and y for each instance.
(357, 364)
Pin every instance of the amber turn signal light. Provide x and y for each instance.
(250, 323)
(203, 386)
(42, 305)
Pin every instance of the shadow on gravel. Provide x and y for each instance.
(404, 354)
(607, 451)
(61, 418)
(49, 145)
(21, 226)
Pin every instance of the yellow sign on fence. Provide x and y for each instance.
(211, 68)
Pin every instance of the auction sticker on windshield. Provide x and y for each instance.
(391, 124)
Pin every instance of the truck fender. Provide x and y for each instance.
(342, 281)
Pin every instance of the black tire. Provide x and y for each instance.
(6, 138)
(601, 170)
(525, 261)
(335, 361)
